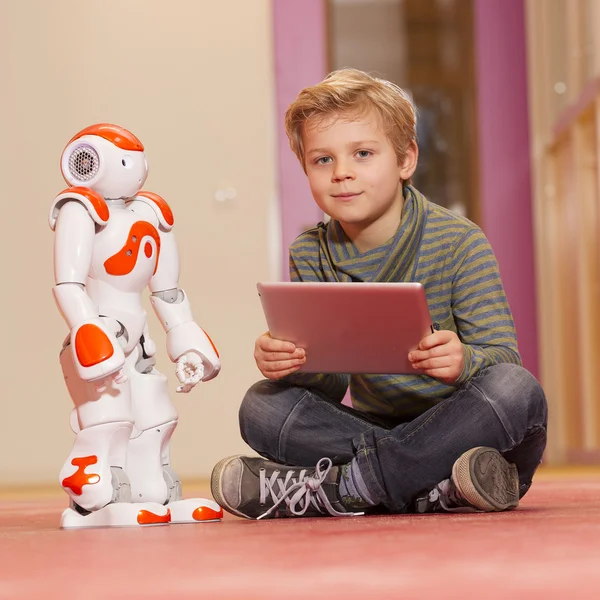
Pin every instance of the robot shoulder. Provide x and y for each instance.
(159, 205)
(93, 201)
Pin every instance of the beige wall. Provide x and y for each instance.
(193, 79)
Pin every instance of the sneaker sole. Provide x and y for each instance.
(215, 485)
(494, 489)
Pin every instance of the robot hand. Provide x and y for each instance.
(189, 371)
(185, 337)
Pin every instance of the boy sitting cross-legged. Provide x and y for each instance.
(469, 433)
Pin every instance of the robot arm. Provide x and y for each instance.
(184, 336)
(95, 349)
(187, 344)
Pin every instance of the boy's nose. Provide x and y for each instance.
(342, 172)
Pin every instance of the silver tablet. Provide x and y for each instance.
(349, 327)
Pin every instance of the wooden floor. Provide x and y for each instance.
(548, 548)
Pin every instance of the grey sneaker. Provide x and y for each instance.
(256, 488)
(482, 481)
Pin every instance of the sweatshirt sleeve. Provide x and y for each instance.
(481, 312)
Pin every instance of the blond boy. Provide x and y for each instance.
(470, 432)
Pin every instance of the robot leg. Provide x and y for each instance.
(148, 461)
(94, 474)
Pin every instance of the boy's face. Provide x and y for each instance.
(354, 173)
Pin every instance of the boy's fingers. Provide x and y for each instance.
(281, 373)
(435, 339)
(281, 365)
(268, 344)
(436, 351)
(272, 357)
(433, 363)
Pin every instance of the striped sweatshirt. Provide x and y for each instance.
(454, 261)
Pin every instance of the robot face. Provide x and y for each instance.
(111, 164)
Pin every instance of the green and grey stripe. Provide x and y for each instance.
(454, 261)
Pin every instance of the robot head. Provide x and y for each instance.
(106, 158)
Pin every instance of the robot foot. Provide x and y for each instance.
(194, 510)
(118, 514)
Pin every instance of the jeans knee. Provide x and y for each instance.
(263, 413)
(516, 392)
(253, 408)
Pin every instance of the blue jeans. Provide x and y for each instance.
(502, 406)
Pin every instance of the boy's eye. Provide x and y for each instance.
(363, 153)
(323, 160)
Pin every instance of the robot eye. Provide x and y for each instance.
(127, 162)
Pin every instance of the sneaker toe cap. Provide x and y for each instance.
(226, 482)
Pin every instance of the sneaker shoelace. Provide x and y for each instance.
(448, 497)
(298, 494)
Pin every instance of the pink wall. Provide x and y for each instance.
(505, 194)
(300, 61)
(504, 159)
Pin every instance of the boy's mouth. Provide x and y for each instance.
(346, 195)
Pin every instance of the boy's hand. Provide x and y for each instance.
(439, 355)
(276, 358)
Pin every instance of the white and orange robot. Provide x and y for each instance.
(111, 242)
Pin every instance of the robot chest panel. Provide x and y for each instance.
(126, 252)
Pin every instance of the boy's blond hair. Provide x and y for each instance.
(350, 92)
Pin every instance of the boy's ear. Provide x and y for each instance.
(409, 164)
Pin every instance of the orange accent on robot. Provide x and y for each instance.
(123, 262)
(92, 345)
(76, 481)
(165, 209)
(145, 517)
(211, 343)
(119, 136)
(98, 202)
(203, 513)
